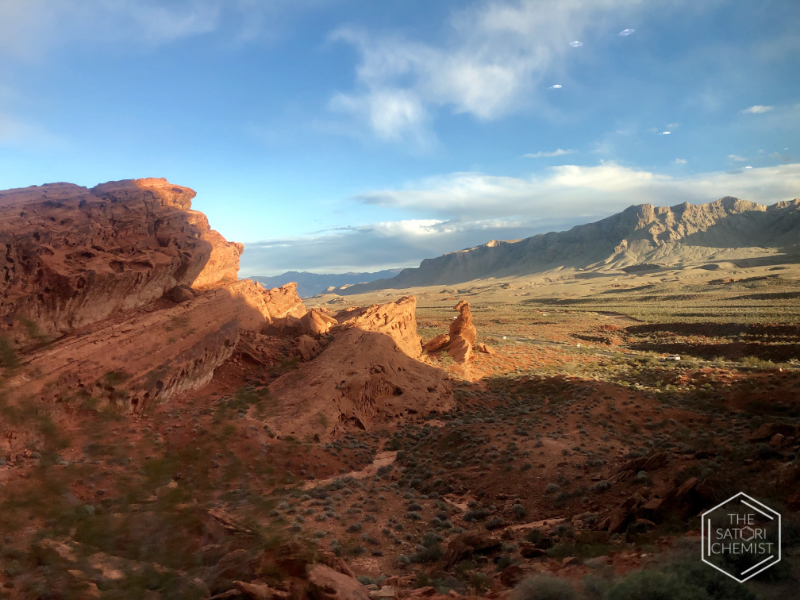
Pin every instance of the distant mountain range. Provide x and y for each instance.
(311, 284)
(639, 238)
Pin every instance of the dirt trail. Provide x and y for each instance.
(381, 460)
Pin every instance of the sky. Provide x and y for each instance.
(337, 135)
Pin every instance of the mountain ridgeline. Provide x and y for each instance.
(311, 284)
(640, 237)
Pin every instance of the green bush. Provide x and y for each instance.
(544, 587)
(679, 581)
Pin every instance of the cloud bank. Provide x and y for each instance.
(468, 209)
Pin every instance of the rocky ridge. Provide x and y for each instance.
(121, 294)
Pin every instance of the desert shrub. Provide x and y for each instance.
(480, 582)
(543, 587)
(601, 486)
(551, 488)
(679, 581)
(426, 554)
(477, 514)
(431, 538)
(595, 588)
(518, 511)
(494, 523)
(534, 535)
(8, 356)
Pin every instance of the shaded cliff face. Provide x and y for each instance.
(727, 229)
(74, 256)
(120, 293)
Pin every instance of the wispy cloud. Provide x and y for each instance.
(31, 28)
(494, 60)
(757, 109)
(18, 132)
(737, 158)
(679, 161)
(541, 154)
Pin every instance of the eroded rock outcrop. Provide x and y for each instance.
(462, 334)
(75, 256)
(367, 374)
(148, 354)
(122, 293)
(395, 319)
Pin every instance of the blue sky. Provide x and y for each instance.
(336, 135)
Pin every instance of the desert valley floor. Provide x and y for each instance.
(574, 449)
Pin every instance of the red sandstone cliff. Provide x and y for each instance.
(122, 291)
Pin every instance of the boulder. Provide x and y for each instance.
(332, 585)
(485, 349)
(317, 322)
(308, 347)
(512, 575)
(437, 343)
(786, 474)
(622, 514)
(529, 550)
(463, 547)
(768, 430)
(777, 440)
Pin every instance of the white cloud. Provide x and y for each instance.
(391, 114)
(565, 189)
(758, 109)
(558, 152)
(737, 158)
(496, 56)
(626, 32)
(679, 161)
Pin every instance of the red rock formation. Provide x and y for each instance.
(308, 347)
(74, 256)
(363, 377)
(146, 354)
(462, 334)
(396, 319)
(437, 343)
(139, 294)
(317, 322)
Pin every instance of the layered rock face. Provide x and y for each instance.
(74, 256)
(125, 291)
(367, 374)
(147, 354)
